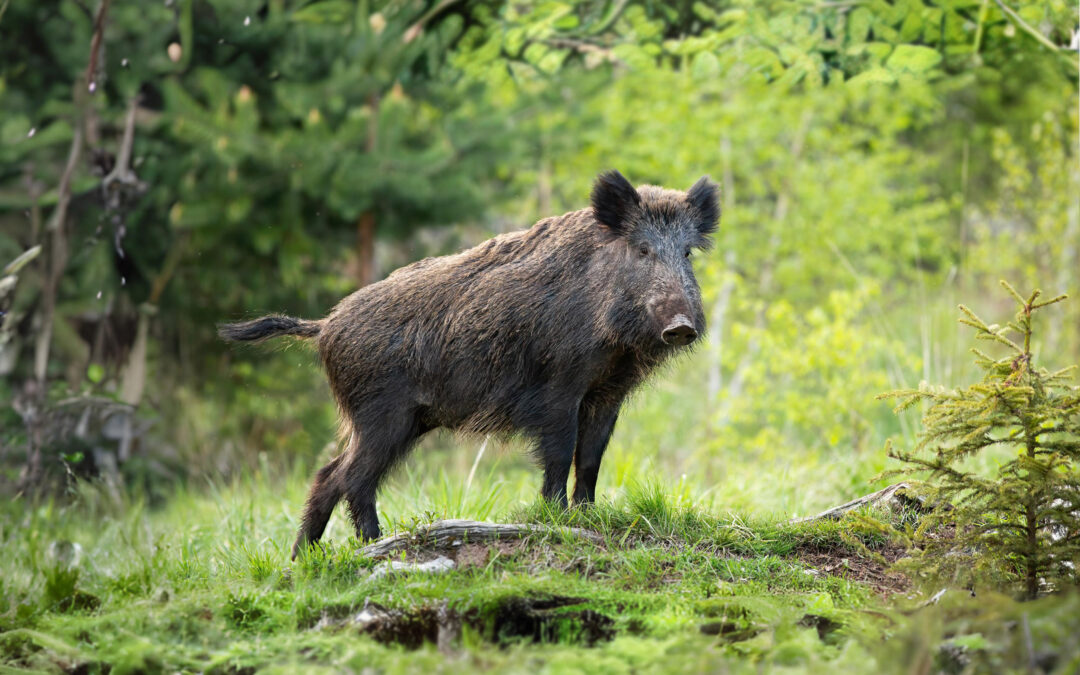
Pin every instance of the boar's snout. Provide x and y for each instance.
(679, 332)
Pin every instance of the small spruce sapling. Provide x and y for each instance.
(1023, 523)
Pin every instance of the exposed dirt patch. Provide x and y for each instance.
(824, 625)
(546, 619)
(409, 629)
(853, 566)
(479, 555)
(549, 620)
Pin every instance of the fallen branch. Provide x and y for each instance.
(891, 497)
(457, 532)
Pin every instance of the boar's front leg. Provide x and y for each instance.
(595, 424)
(557, 454)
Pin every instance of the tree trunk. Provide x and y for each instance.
(365, 226)
(1031, 518)
(365, 248)
(1032, 553)
(56, 233)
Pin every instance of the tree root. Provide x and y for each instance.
(447, 533)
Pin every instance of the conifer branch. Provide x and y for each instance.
(1063, 296)
(1012, 291)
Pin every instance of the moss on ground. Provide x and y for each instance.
(205, 585)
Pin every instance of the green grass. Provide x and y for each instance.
(204, 584)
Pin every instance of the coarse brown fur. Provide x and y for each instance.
(541, 332)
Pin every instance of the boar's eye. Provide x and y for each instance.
(687, 252)
(643, 250)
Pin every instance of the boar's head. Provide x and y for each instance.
(653, 233)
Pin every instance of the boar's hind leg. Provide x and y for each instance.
(557, 453)
(383, 441)
(595, 425)
(322, 498)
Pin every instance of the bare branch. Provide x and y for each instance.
(58, 255)
(885, 496)
(122, 179)
(95, 45)
(1027, 28)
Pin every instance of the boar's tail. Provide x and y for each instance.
(268, 327)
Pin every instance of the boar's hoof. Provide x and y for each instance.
(679, 332)
(303, 544)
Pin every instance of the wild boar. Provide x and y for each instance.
(540, 333)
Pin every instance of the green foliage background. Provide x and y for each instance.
(879, 161)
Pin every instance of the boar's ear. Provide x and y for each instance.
(704, 198)
(613, 201)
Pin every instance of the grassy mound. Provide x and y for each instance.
(204, 584)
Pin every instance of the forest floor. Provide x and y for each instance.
(204, 584)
